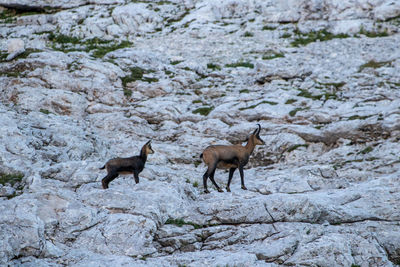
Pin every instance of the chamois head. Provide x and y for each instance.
(147, 148)
(255, 136)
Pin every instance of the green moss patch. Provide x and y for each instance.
(11, 178)
(337, 85)
(45, 111)
(373, 34)
(240, 64)
(203, 110)
(248, 34)
(213, 66)
(97, 46)
(294, 147)
(25, 54)
(293, 112)
(101, 50)
(9, 15)
(286, 35)
(323, 96)
(373, 64)
(358, 117)
(268, 28)
(262, 102)
(181, 222)
(176, 62)
(3, 56)
(302, 39)
(272, 56)
(366, 150)
(127, 92)
(137, 74)
(177, 19)
(290, 101)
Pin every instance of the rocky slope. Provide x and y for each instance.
(85, 81)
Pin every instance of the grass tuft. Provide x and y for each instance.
(302, 39)
(203, 110)
(366, 150)
(294, 147)
(127, 92)
(373, 64)
(324, 96)
(272, 56)
(240, 64)
(45, 111)
(268, 28)
(358, 117)
(181, 222)
(293, 112)
(137, 74)
(213, 66)
(373, 34)
(262, 102)
(98, 46)
(11, 178)
(248, 34)
(290, 101)
(176, 62)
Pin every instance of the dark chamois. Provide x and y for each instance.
(229, 157)
(130, 165)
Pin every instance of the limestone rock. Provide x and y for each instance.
(98, 79)
(15, 48)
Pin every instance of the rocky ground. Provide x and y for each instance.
(85, 81)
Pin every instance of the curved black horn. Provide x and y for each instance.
(148, 142)
(257, 131)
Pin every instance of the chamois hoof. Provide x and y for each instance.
(220, 190)
(228, 189)
(206, 191)
(105, 186)
(244, 188)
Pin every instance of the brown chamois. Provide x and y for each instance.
(229, 157)
(130, 165)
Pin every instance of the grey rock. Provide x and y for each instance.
(322, 191)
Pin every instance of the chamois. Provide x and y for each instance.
(130, 165)
(229, 157)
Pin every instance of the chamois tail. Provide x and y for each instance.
(201, 155)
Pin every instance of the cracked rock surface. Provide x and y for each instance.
(86, 81)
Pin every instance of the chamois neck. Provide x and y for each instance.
(143, 154)
(250, 145)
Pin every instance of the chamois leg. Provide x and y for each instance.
(242, 177)
(205, 176)
(208, 174)
(213, 181)
(136, 176)
(108, 178)
(231, 171)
